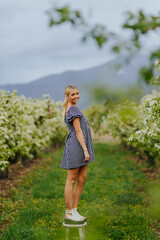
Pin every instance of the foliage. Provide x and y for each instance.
(139, 23)
(123, 119)
(137, 125)
(28, 126)
(147, 138)
(95, 116)
(156, 80)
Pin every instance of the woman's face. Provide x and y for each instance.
(73, 96)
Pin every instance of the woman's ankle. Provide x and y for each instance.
(68, 209)
(75, 207)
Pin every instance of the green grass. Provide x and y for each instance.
(111, 200)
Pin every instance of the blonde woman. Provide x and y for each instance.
(77, 154)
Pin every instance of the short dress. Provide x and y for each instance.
(73, 155)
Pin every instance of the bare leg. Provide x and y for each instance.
(82, 176)
(68, 192)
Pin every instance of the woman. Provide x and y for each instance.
(77, 154)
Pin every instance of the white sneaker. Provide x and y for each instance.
(72, 218)
(77, 213)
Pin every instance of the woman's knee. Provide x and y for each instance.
(72, 175)
(72, 179)
(82, 179)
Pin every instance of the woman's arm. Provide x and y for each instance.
(79, 133)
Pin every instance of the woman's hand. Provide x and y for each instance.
(87, 157)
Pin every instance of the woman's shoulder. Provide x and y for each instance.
(73, 108)
(73, 112)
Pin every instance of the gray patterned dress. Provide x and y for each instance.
(73, 155)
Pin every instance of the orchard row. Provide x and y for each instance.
(137, 124)
(28, 126)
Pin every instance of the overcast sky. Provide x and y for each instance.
(29, 49)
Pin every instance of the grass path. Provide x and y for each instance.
(111, 199)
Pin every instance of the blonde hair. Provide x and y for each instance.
(68, 89)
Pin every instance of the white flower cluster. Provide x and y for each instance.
(28, 126)
(123, 119)
(136, 124)
(3, 165)
(147, 139)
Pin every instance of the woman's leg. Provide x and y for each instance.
(68, 192)
(81, 179)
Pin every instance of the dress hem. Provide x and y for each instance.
(78, 166)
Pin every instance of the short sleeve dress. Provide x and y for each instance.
(73, 155)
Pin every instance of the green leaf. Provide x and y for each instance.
(78, 14)
(51, 22)
(101, 40)
(116, 49)
(155, 54)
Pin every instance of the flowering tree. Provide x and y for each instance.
(139, 23)
(28, 126)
